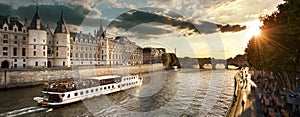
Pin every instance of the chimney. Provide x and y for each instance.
(25, 21)
(8, 19)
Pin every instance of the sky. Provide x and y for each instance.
(190, 28)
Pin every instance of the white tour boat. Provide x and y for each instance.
(56, 95)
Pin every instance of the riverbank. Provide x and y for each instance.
(31, 77)
(267, 99)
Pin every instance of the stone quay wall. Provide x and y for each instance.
(31, 77)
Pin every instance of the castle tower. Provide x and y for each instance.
(61, 45)
(37, 43)
(104, 46)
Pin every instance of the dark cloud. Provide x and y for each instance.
(231, 28)
(73, 14)
(149, 30)
(136, 17)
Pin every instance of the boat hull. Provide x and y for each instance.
(87, 93)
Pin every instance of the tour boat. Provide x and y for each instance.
(87, 88)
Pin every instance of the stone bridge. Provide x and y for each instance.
(187, 62)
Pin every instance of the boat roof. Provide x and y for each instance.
(105, 77)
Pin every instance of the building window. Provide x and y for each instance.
(44, 53)
(5, 28)
(34, 47)
(5, 48)
(76, 55)
(36, 63)
(5, 36)
(15, 60)
(34, 53)
(34, 40)
(24, 52)
(44, 47)
(15, 65)
(56, 53)
(71, 55)
(4, 53)
(16, 37)
(5, 41)
(57, 42)
(15, 51)
(15, 29)
(16, 42)
(24, 60)
(24, 38)
(24, 65)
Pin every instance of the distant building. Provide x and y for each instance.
(33, 45)
(152, 55)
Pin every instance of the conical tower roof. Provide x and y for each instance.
(61, 25)
(36, 22)
(101, 32)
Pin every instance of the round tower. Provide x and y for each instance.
(37, 43)
(61, 47)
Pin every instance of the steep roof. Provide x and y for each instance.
(11, 21)
(61, 25)
(101, 32)
(36, 22)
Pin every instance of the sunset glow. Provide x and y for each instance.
(253, 28)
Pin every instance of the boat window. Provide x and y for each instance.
(63, 95)
(136, 82)
(87, 91)
(108, 87)
(101, 88)
(81, 93)
(68, 96)
(76, 94)
(118, 86)
(96, 89)
(123, 85)
(113, 86)
(104, 88)
(92, 90)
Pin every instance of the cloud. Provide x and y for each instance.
(231, 28)
(133, 18)
(239, 11)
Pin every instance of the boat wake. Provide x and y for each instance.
(23, 111)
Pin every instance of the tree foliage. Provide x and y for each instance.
(275, 49)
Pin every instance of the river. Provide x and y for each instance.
(186, 92)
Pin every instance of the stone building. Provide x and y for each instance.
(13, 42)
(152, 55)
(33, 45)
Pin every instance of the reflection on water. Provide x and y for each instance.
(165, 93)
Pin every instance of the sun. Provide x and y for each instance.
(253, 27)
